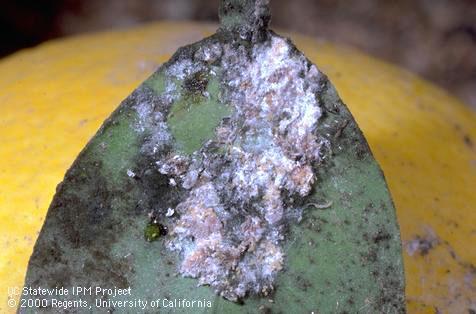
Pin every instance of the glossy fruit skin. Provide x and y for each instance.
(54, 97)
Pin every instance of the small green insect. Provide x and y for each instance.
(154, 230)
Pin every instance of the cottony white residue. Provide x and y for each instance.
(229, 229)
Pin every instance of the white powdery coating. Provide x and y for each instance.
(181, 70)
(153, 118)
(230, 227)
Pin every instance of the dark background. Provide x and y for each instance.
(434, 38)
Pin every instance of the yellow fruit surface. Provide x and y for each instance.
(54, 97)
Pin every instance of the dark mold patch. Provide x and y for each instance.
(303, 283)
(468, 141)
(197, 83)
(88, 217)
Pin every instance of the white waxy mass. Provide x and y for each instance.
(230, 227)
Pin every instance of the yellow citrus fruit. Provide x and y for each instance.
(54, 97)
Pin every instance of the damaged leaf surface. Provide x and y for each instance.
(233, 147)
